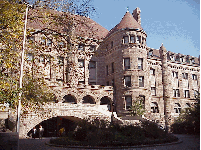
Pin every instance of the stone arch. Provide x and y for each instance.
(31, 120)
(70, 99)
(88, 99)
(106, 101)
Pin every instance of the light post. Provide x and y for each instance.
(21, 70)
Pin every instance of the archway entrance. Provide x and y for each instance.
(88, 99)
(106, 101)
(53, 127)
(70, 99)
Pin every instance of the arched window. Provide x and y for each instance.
(70, 99)
(106, 101)
(88, 99)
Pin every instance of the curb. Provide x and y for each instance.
(118, 147)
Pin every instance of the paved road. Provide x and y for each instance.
(190, 142)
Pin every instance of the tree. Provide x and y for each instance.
(137, 107)
(11, 37)
(189, 120)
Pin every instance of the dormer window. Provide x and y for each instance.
(192, 60)
(150, 53)
(137, 39)
(177, 58)
(125, 39)
(172, 57)
(132, 39)
(181, 59)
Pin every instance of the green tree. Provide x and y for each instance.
(137, 107)
(189, 119)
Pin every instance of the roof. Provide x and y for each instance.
(127, 21)
(84, 26)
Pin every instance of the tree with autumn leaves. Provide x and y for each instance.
(12, 13)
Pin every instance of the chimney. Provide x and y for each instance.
(136, 15)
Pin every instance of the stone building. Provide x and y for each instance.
(116, 66)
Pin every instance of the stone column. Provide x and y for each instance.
(166, 88)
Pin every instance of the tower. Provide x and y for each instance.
(125, 56)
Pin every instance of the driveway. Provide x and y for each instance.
(190, 142)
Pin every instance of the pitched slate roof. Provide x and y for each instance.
(127, 21)
(84, 27)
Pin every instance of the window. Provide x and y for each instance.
(140, 63)
(107, 70)
(186, 94)
(172, 57)
(43, 41)
(185, 75)
(150, 53)
(113, 67)
(48, 59)
(61, 44)
(187, 107)
(153, 91)
(49, 42)
(132, 39)
(60, 61)
(29, 56)
(125, 39)
(81, 63)
(193, 60)
(127, 63)
(181, 59)
(152, 71)
(112, 44)
(113, 82)
(174, 74)
(176, 93)
(177, 108)
(194, 76)
(154, 107)
(141, 81)
(195, 93)
(92, 64)
(81, 47)
(128, 100)
(31, 39)
(42, 59)
(92, 48)
(127, 81)
(137, 39)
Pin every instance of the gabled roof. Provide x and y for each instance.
(127, 21)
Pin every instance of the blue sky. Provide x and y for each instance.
(175, 23)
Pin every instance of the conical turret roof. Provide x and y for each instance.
(127, 22)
